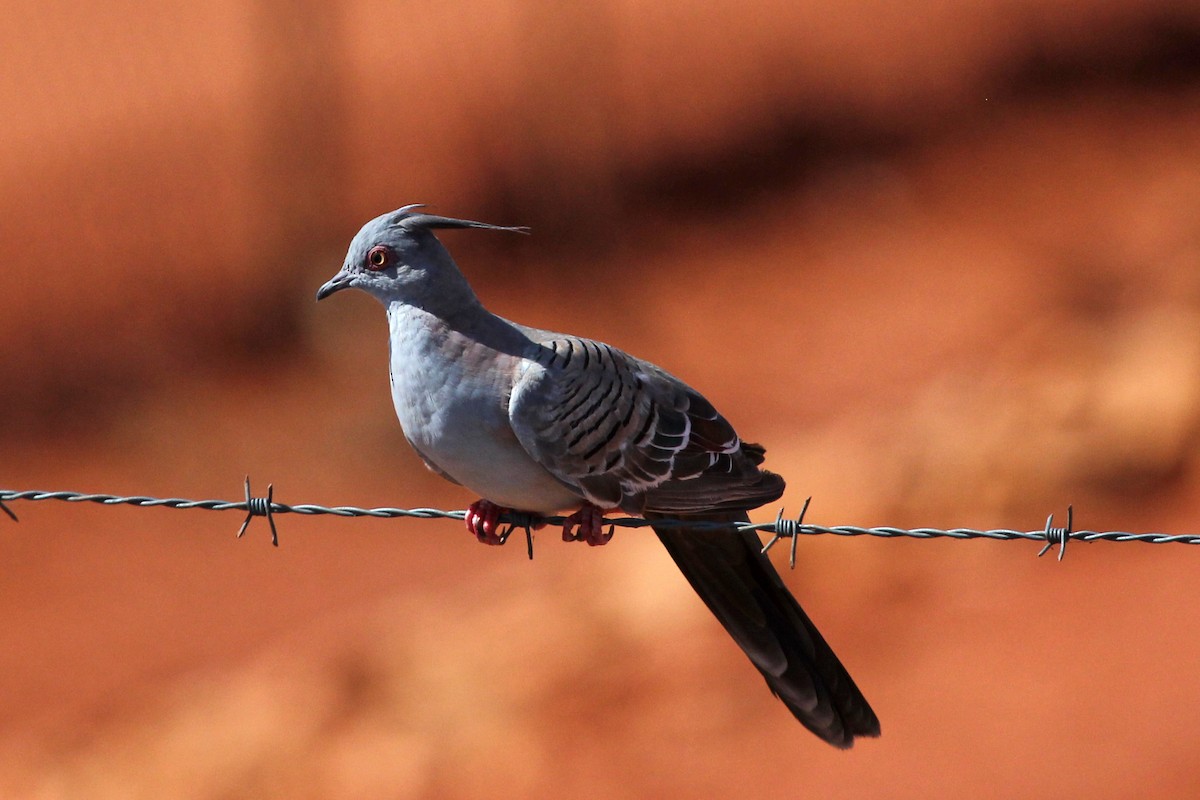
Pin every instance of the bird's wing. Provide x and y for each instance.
(625, 433)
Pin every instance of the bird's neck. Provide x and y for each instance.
(454, 308)
(448, 297)
(419, 325)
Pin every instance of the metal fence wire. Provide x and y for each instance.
(780, 528)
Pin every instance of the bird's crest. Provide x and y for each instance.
(406, 218)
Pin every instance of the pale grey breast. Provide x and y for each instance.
(454, 412)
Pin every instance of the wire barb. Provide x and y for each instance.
(1059, 536)
(522, 519)
(260, 507)
(788, 527)
(8, 511)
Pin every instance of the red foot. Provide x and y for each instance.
(483, 521)
(587, 525)
(483, 518)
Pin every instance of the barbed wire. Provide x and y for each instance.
(781, 528)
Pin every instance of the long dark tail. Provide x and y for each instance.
(741, 587)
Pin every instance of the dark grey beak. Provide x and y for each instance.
(334, 284)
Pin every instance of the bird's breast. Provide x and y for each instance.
(451, 396)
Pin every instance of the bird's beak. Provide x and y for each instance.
(334, 284)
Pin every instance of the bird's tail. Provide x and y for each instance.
(740, 586)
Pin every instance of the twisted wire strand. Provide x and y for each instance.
(780, 528)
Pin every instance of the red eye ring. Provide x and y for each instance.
(378, 257)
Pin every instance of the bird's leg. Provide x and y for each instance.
(587, 525)
(483, 521)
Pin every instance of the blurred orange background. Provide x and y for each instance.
(942, 259)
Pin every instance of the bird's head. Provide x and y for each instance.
(396, 257)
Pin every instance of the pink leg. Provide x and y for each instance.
(483, 521)
(587, 525)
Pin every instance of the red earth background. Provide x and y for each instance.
(943, 259)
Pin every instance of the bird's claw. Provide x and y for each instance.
(587, 525)
(483, 521)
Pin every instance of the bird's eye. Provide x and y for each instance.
(378, 257)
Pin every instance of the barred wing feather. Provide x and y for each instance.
(625, 433)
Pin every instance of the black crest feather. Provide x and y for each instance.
(406, 218)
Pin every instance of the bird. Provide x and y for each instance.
(538, 422)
